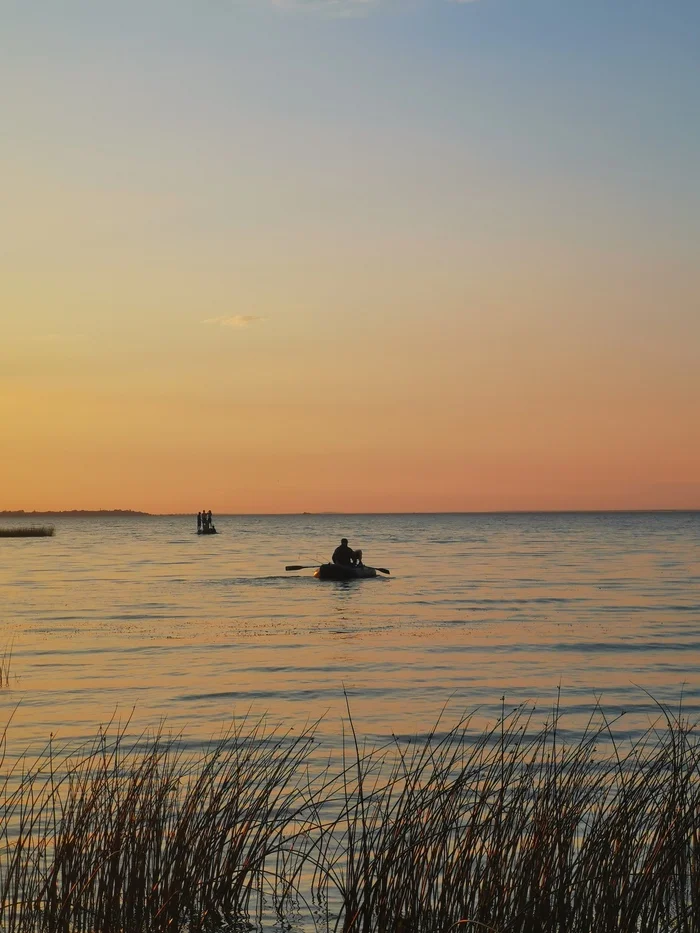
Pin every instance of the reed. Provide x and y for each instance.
(512, 829)
(28, 531)
(5, 662)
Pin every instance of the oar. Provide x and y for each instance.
(313, 567)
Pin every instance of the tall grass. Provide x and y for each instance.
(28, 531)
(512, 829)
(144, 836)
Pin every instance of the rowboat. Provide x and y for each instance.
(207, 531)
(343, 572)
(340, 571)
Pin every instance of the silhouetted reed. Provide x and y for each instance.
(28, 531)
(5, 661)
(511, 829)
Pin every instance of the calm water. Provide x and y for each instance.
(112, 615)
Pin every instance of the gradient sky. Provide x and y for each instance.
(352, 255)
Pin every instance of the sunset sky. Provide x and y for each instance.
(349, 255)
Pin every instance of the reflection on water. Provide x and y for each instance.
(117, 614)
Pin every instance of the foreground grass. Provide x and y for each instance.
(513, 829)
(28, 531)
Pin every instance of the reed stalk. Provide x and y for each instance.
(5, 663)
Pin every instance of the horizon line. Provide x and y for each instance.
(566, 511)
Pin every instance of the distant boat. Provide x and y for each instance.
(207, 531)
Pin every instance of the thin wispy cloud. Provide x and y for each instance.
(237, 320)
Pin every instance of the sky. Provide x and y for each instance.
(349, 255)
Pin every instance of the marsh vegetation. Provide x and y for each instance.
(28, 531)
(516, 828)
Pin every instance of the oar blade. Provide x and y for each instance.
(383, 570)
(298, 567)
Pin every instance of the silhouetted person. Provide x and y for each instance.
(344, 555)
(210, 524)
(199, 521)
(205, 523)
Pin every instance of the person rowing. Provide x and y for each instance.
(345, 556)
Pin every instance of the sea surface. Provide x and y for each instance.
(139, 617)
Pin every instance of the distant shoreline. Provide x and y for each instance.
(78, 513)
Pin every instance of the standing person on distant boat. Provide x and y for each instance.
(199, 522)
(210, 523)
(204, 520)
(344, 555)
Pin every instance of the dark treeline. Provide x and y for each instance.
(510, 829)
(20, 513)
